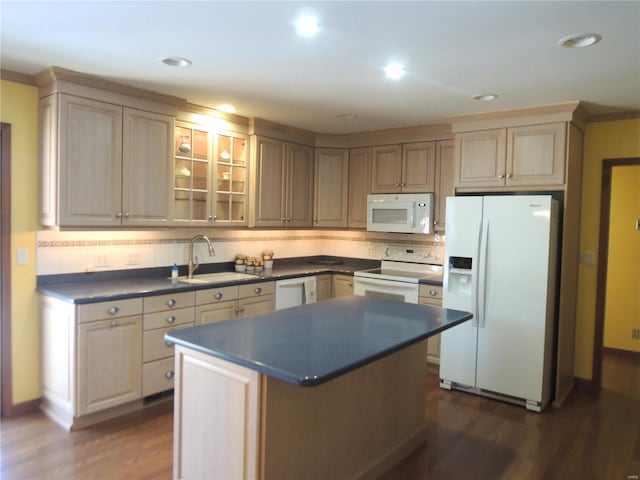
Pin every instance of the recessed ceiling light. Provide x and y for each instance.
(176, 61)
(227, 108)
(484, 97)
(579, 40)
(307, 26)
(394, 70)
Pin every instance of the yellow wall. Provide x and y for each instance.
(615, 139)
(19, 107)
(622, 310)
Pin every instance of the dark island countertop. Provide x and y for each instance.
(312, 344)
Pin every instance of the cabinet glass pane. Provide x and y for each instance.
(239, 151)
(231, 179)
(191, 174)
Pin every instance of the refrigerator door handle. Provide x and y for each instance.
(475, 271)
(482, 288)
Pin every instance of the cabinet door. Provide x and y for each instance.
(248, 307)
(109, 363)
(386, 169)
(231, 204)
(331, 185)
(90, 162)
(445, 178)
(480, 158)
(215, 312)
(270, 183)
(359, 183)
(536, 155)
(147, 177)
(323, 287)
(299, 204)
(342, 285)
(419, 167)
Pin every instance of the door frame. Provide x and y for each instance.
(6, 392)
(603, 259)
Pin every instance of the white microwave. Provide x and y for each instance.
(400, 212)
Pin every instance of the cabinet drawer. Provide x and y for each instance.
(214, 295)
(157, 376)
(154, 346)
(168, 302)
(432, 292)
(256, 289)
(170, 318)
(107, 310)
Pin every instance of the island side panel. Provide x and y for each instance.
(357, 425)
(215, 418)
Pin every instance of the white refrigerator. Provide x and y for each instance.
(500, 264)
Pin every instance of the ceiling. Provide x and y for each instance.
(249, 54)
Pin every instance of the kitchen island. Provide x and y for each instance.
(330, 390)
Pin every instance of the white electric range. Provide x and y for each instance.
(399, 275)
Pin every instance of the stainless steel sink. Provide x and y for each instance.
(219, 277)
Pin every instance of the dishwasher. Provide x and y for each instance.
(295, 291)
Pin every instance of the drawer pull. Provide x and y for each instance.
(242, 309)
(433, 293)
(168, 374)
(171, 319)
(258, 290)
(113, 310)
(218, 296)
(168, 343)
(171, 302)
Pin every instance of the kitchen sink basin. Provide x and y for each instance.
(219, 277)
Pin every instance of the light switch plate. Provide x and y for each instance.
(22, 256)
(588, 258)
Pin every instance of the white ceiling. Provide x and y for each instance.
(248, 54)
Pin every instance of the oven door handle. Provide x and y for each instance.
(387, 284)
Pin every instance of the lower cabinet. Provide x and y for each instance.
(323, 287)
(432, 295)
(342, 285)
(226, 303)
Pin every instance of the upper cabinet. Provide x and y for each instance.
(408, 168)
(526, 156)
(232, 159)
(103, 164)
(282, 184)
(359, 182)
(445, 178)
(331, 187)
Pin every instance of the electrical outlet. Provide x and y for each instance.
(101, 260)
(133, 258)
(635, 333)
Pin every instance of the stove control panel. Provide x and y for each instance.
(430, 254)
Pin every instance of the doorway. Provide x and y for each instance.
(605, 250)
(5, 269)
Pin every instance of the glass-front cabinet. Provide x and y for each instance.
(210, 176)
(231, 179)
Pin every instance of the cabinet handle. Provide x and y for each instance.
(171, 302)
(433, 293)
(237, 310)
(168, 343)
(171, 319)
(398, 184)
(168, 374)
(258, 290)
(218, 296)
(501, 175)
(242, 309)
(351, 284)
(215, 217)
(114, 324)
(113, 310)
(509, 175)
(210, 217)
(127, 215)
(119, 215)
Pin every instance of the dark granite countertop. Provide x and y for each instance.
(314, 343)
(81, 288)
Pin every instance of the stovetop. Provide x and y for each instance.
(406, 264)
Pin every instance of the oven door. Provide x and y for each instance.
(386, 289)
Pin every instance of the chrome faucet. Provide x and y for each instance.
(193, 265)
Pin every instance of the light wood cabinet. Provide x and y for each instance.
(342, 285)
(226, 303)
(408, 168)
(282, 180)
(103, 164)
(359, 184)
(527, 156)
(331, 187)
(231, 176)
(432, 295)
(445, 179)
(324, 287)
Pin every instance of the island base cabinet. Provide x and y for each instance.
(233, 422)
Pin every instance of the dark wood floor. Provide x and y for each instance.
(594, 436)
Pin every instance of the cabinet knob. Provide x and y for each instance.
(237, 310)
(127, 215)
(501, 175)
(509, 175)
(119, 215)
(215, 217)
(113, 310)
(258, 290)
(168, 343)
(171, 302)
(210, 217)
(351, 284)
(284, 219)
(168, 374)
(435, 222)
(315, 219)
(171, 319)
(398, 184)
(242, 309)
(433, 293)
(218, 296)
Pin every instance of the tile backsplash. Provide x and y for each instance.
(86, 251)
